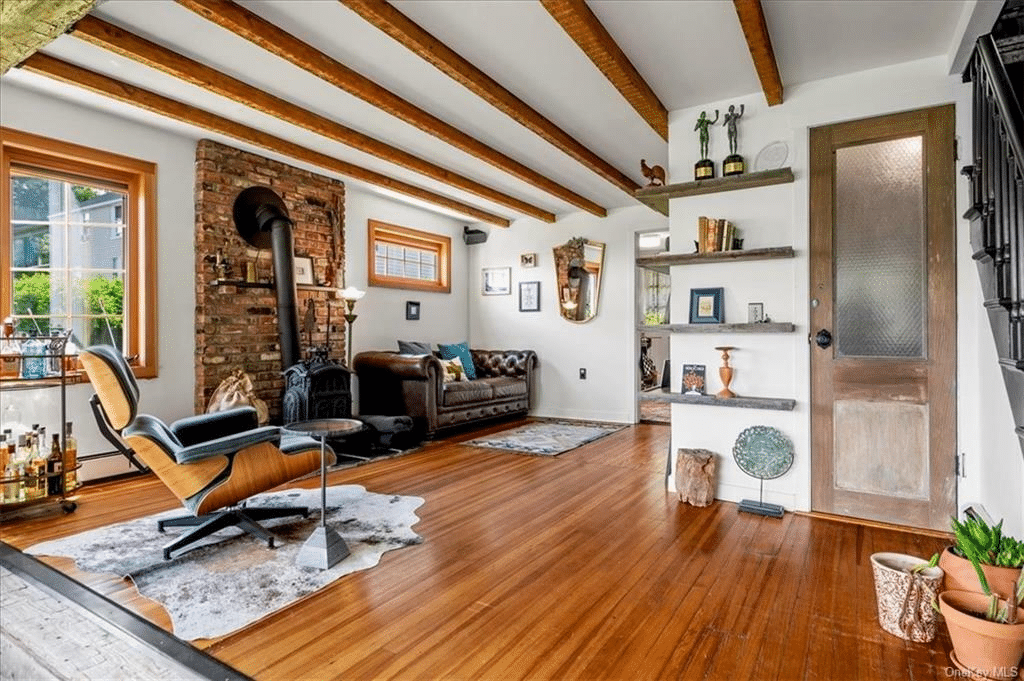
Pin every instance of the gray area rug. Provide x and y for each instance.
(231, 580)
(546, 438)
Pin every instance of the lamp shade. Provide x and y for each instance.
(351, 293)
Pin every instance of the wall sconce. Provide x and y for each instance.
(350, 294)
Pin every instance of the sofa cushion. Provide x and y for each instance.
(467, 392)
(506, 386)
(460, 350)
(413, 348)
(454, 372)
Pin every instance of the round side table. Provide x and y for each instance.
(325, 547)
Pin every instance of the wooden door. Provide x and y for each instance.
(883, 318)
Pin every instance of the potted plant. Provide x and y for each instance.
(1000, 557)
(905, 588)
(987, 631)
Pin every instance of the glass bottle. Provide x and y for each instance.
(37, 469)
(10, 352)
(70, 459)
(55, 468)
(33, 362)
(5, 452)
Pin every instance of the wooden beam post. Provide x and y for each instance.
(186, 113)
(755, 30)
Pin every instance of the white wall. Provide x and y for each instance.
(778, 366)
(604, 346)
(443, 316)
(169, 395)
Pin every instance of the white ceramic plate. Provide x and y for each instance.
(772, 156)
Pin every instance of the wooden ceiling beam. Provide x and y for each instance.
(128, 45)
(259, 31)
(186, 113)
(586, 30)
(755, 30)
(28, 25)
(414, 37)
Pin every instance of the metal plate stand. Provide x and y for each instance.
(325, 547)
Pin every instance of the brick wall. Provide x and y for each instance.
(236, 326)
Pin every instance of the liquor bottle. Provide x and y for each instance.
(54, 468)
(37, 469)
(5, 452)
(10, 491)
(18, 490)
(10, 352)
(70, 460)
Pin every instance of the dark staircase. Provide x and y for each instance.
(996, 70)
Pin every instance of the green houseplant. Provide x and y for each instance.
(999, 558)
(987, 631)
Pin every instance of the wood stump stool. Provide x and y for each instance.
(695, 476)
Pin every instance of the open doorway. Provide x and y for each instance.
(654, 287)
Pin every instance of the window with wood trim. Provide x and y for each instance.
(406, 258)
(78, 235)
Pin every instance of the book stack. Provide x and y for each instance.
(715, 234)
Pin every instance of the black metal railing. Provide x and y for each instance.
(997, 188)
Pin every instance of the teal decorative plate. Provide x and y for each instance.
(763, 452)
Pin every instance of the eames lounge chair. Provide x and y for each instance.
(211, 462)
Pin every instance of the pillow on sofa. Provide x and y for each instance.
(453, 370)
(460, 350)
(413, 348)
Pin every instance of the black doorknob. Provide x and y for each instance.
(823, 338)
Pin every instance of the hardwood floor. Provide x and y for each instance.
(580, 566)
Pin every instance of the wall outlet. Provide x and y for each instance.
(583, 374)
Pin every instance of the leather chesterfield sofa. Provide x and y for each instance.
(413, 385)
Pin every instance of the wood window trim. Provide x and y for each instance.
(414, 238)
(20, 149)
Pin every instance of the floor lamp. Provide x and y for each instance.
(350, 294)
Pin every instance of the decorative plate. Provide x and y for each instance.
(772, 156)
(763, 452)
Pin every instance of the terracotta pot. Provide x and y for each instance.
(989, 649)
(960, 575)
(904, 600)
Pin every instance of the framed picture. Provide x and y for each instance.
(706, 306)
(412, 309)
(528, 260)
(497, 281)
(304, 270)
(529, 296)
(755, 313)
(694, 379)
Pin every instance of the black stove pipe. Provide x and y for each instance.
(261, 218)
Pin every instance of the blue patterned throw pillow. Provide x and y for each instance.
(460, 350)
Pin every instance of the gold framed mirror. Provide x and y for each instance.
(578, 264)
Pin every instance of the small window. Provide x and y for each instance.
(401, 257)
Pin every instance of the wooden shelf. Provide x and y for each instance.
(241, 283)
(664, 259)
(770, 327)
(658, 197)
(740, 402)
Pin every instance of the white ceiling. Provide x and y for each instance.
(690, 52)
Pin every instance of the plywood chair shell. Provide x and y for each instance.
(184, 480)
(116, 404)
(257, 469)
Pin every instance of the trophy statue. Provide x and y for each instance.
(733, 163)
(704, 169)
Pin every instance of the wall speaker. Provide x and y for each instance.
(473, 236)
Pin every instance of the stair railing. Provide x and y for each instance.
(997, 187)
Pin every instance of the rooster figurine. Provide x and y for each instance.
(655, 174)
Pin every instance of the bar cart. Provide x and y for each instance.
(50, 368)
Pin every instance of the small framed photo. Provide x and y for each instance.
(497, 281)
(706, 306)
(755, 313)
(304, 270)
(529, 296)
(412, 309)
(528, 260)
(694, 379)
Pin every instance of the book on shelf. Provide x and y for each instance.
(715, 235)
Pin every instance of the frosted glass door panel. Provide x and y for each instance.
(879, 242)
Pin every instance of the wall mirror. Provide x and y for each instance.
(578, 264)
